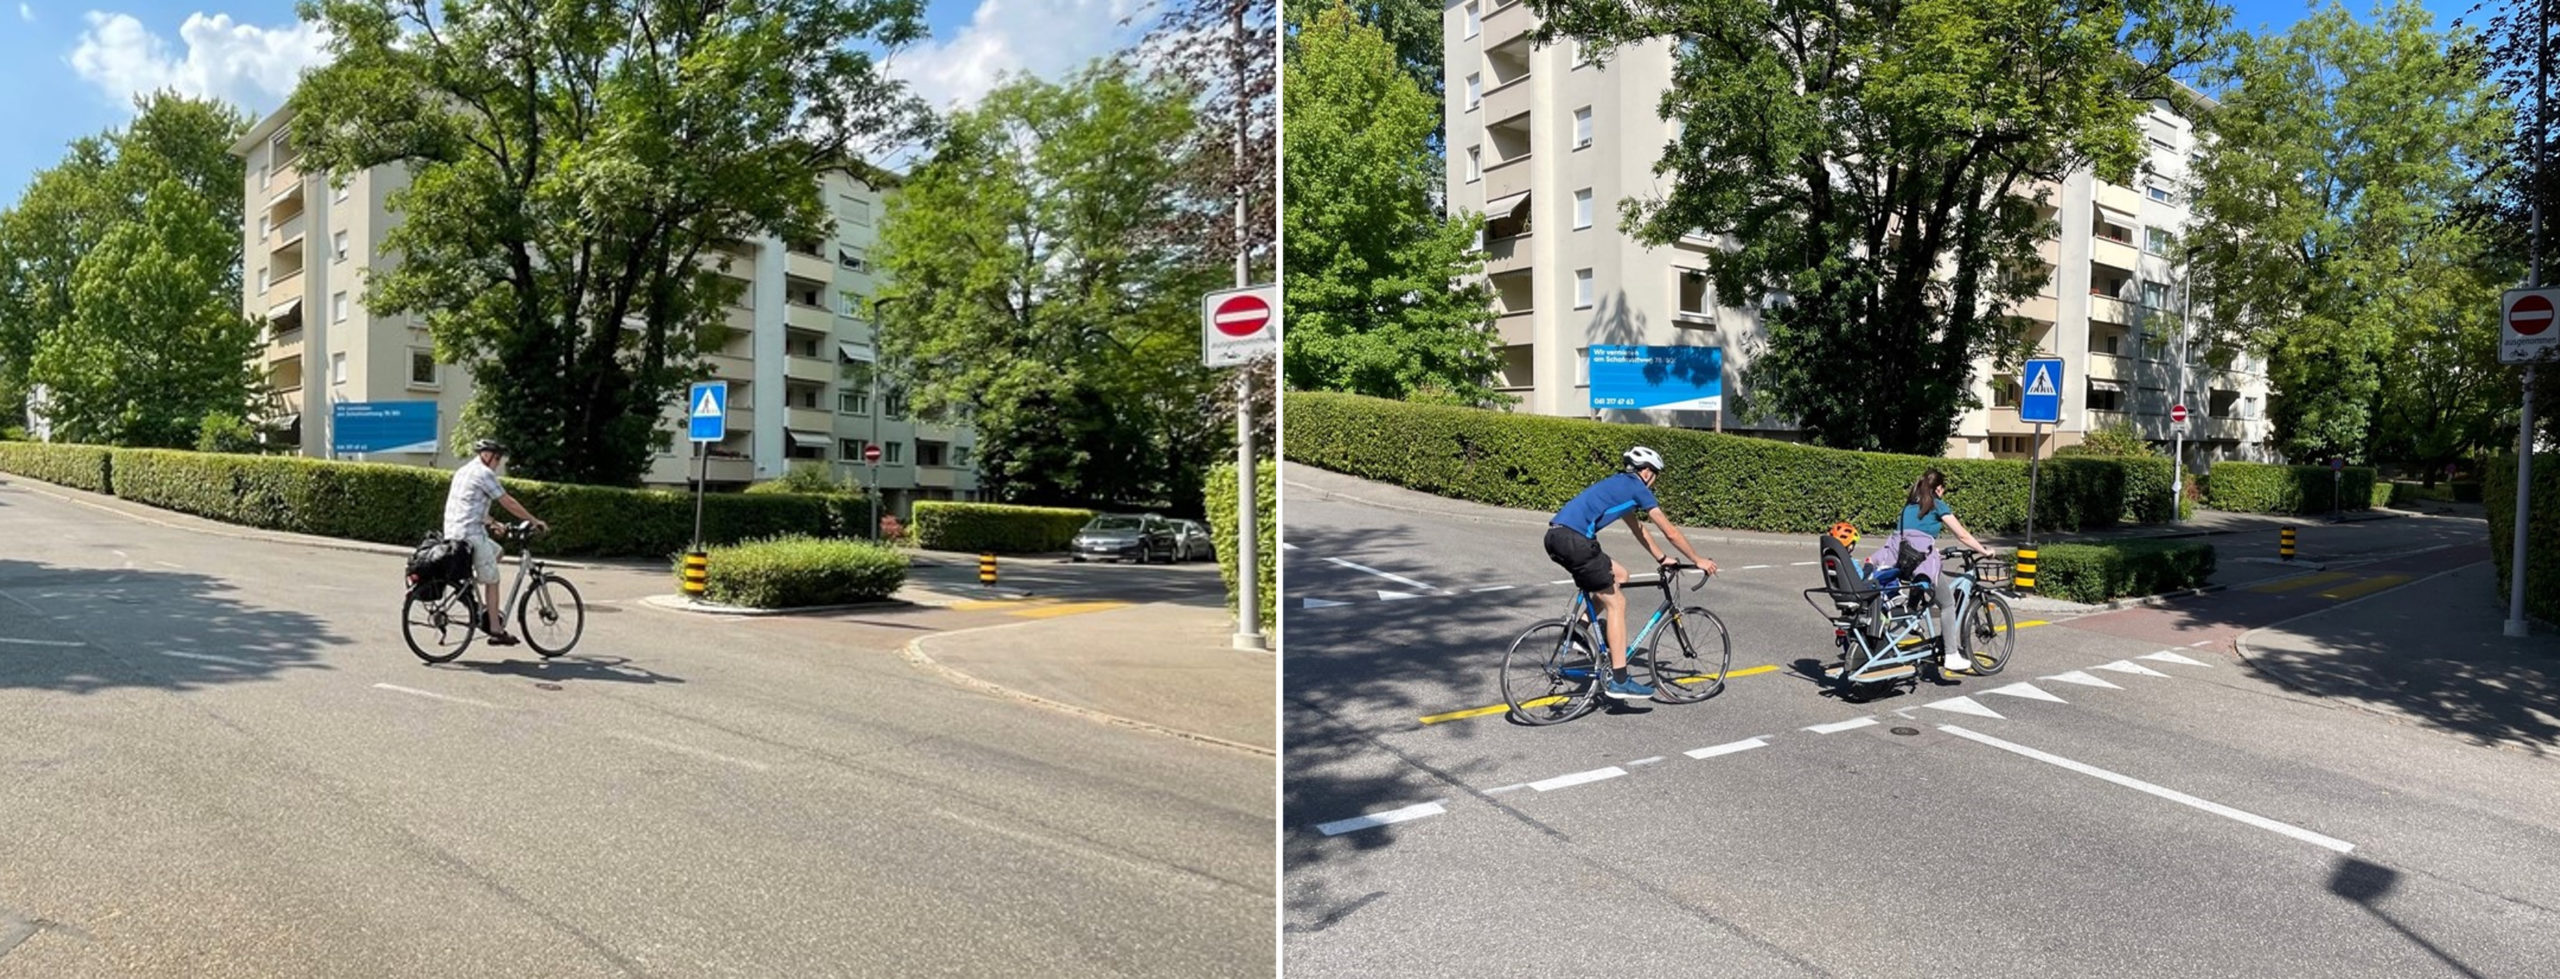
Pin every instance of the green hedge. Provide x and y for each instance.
(1221, 497)
(391, 504)
(79, 466)
(1538, 462)
(2257, 487)
(2542, 533)
(1003, 529)
(801, 571)
(2095, 572)
(2402, 494)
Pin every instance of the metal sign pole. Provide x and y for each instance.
(2178, 472)
(702, 474)
(2524, 508)
(2035, 462)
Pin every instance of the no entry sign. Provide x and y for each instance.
(2178, 413)
(2525, 328)
(1238, 326)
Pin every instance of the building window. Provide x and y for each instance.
(2220, 402)
(1475, 25)
(894, 405)
(853, 258)
(960, 456)
(800, 345)
(849, 449)
(265, 176)
(1582, 291)
(338, 245)
(262, 280)
(1582, 127)
(338, 308)
(855, 399)
(1475, 163)
(422, 368)
(2104, 395)
(857, 211)
(2161, 194)
(805, 293)
(801, 397)
(1695, 295)
(2157, 241)
(1582, 209)
(343, 190)
(2155, 295)
(338, 368)
(2004, 392)
(934, 454)
(1475, 91)
(891, 451)
(266, 227)
(1582, 366)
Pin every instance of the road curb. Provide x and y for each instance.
(677, 603)
(915, 654)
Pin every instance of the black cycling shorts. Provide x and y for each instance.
(1582, 556)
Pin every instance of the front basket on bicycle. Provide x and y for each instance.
(1992, 572)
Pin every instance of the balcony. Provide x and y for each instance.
(724, 470)
(1508, 100)
(1506, 178)
(2042, 309)
(283, 174)
(2227, 429)
(732, 368)
(815, 319)
(285, 346)
(936, 477)
(1507, 255)
(2117, 198)
(2107, 309)
(1517, 329)
(2116, 254)
(289, 234)
(284, 290)
(809, 419)
(1507, 22)
(284, 202)
(2105, 366)
(819, 370)
(740, 419)
(816, 268)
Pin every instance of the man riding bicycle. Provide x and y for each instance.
(1573, 542)
(466, 517)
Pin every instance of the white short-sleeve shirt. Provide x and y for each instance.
(466, 506)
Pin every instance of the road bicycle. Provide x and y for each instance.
(1887, 626)
(549, 615)
(1555, 670)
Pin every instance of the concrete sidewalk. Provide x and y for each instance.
(1163, 667)
(2433, 653)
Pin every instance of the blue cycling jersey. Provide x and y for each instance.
(1605, 501)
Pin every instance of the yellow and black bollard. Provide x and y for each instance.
(987, 568)
(2022, 575)
(2284, 545)
(697, 573)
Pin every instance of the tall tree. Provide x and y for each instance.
(1873, 160)
(103, 183)
(2506, 50)
(1411, 27)
(156, 341)
(1372, 300)
(2325, 205)
(1043, 272)
(578, 170)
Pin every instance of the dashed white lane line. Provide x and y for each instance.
(2027, 690)
(1397, 578)
(1577, 778)
(2172, 795)
(1728, 747)
(414, 692)
(209, 657)
(1804, 564)
(2083, 678)
(691, 750)
(2167, 656)
(1374, 820)
(1513, 787)
(1644, 761)
(166, 564)
(2128, 666)
(1754, 567)
(1494, 588)
(1321, 603)
(40, 642)
(1054, 844)
(1839, 726)
(1965, 705)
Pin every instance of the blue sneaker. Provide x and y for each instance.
(1629, 689)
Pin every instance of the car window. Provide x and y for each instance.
(1113, 523)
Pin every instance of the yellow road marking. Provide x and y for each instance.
(2365, 587)
(1052, 611)
(1460, 715)
(2323, 578)
(980, 605)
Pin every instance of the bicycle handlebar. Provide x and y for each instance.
(1671, 570)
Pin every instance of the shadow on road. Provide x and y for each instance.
(2367, 883)
(615, 669)
(84, 630)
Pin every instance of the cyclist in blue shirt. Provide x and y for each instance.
(1573, 541)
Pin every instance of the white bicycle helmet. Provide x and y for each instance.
(1642, 457)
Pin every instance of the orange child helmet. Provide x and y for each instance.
(1846, 533)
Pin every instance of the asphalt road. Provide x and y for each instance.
(2128, 798)
(221, 760)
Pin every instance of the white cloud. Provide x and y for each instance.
(250, 66)
(1042, 38)
(26, 13)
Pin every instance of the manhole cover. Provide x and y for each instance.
(1906, 731)
(547, 686)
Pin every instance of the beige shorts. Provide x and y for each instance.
(484, 559)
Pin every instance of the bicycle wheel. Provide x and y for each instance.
(550, 617)
(1693, 668)
(440, 630)
(1990, 632)
(1550, 674)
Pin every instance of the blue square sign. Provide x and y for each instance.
(2040, 395)
(707, 407)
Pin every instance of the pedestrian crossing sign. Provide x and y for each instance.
(2041, 402)
(708, 414)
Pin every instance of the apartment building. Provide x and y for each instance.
(1546, 145)
(798, 362)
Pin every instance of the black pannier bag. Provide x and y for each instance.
(438, 563)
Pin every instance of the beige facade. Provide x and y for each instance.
(796, 362)
(1547, 146)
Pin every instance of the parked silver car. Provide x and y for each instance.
(1120, 537)
(1196, 542)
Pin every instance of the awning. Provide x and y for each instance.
(2113, 216)
(1505, 205)
(2102, 384)
(289, 308)
(853, 352)
(809, 440)
(286, 422)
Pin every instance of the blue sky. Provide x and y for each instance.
(74, 65)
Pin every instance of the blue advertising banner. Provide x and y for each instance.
(382, 426)
(1664, 378)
